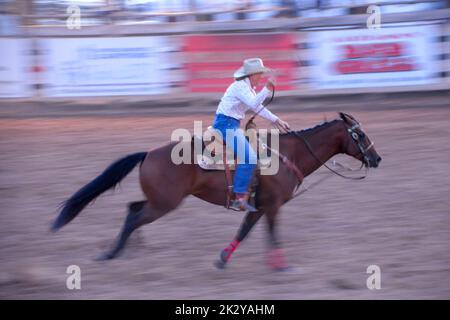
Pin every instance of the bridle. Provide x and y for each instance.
(357, 138)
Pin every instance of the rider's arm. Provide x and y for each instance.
(265, 113)
(255, 102)
(246, 96)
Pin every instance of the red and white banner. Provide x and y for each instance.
(374, 57)
(210, 60)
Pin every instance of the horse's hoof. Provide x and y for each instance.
(276, 261)
(285, 269)
(220, 264)
(288, 270)
(105, 256)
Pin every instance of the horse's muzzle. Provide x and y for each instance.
(372, 162)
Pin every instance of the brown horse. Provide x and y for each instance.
(166, 184)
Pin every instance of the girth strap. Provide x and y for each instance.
(228, 177)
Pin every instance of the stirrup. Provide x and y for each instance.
(242, 205)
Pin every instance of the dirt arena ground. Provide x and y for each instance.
(398, 218)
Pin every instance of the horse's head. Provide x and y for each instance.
(357, 144)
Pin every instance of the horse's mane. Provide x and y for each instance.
(316, 128)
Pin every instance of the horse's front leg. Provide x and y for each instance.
(250, 220)
(275, 257)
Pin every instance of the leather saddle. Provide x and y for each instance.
(212, 155)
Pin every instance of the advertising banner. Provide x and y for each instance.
(106, 66)
(374, 57)
(212, 59)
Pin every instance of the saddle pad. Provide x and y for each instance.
(208, 164)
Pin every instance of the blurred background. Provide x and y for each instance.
(189, 48)
(83, 83)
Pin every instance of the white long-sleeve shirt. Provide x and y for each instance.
(241, 97)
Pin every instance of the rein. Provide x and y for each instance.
(308, 146)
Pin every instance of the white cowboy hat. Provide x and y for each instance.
(251, 66)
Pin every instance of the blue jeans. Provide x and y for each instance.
(234, 138)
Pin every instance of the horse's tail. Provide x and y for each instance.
(105, 181)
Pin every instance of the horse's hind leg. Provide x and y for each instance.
(249, 221)
(275, 257)
(139, 213)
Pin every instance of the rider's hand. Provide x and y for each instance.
(271, 84)
(283, 125)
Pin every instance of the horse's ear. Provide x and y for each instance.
(344, 117)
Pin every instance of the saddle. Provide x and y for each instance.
(215, 155)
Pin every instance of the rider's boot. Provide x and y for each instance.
(240, 203)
